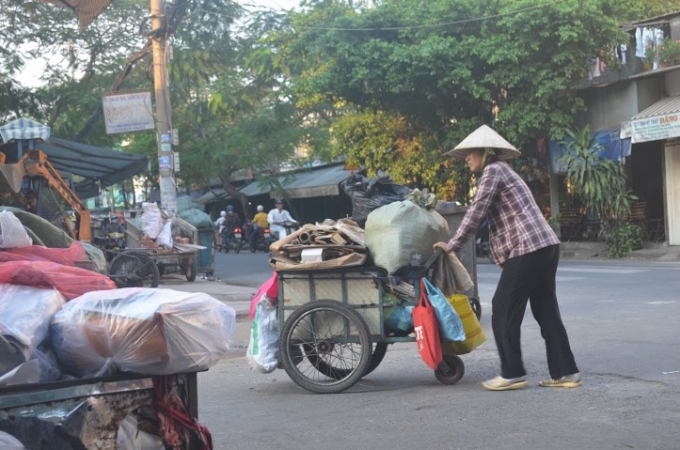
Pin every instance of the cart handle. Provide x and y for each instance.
(433, 258)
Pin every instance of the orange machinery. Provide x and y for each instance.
(35, 164)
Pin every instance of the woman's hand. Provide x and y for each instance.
(443, 245)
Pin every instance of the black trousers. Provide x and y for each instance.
(530, 277)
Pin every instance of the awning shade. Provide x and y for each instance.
(24, 129)
(95, 164)
(658, 122)
(315, 182)
(668, 105)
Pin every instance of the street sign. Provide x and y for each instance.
(175, 136)
(128, 112)
(175, 161)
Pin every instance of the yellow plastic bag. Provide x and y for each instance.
(474, 335)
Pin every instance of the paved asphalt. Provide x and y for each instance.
(622, 322)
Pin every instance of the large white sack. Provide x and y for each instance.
(395, 231)
(12, 232)
(263, 348)
(152, 220)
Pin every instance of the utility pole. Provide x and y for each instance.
(163, 110)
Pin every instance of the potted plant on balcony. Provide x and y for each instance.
(668, 53)
(650, 56)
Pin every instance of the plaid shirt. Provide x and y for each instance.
(516, 225)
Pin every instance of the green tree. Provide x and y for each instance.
(405, 81)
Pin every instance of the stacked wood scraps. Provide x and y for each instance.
(322, 246)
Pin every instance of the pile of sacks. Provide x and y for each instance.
(322, 246)
(140, 330)
(58, 321)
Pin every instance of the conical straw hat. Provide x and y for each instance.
(485, 137)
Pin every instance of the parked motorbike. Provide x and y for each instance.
(482, 246)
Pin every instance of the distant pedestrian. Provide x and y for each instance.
(527, 249)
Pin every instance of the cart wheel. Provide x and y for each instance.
(337, 373)
(189, 269)
(134, 270)
(330, 335)
(451, 370)
(377, 356)
(476, 306)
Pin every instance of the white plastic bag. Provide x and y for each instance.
(12, 232)
(9, 442)
(165, 236)
(396, 231)
(152, 220)
(130, 437)
(25, 315)
(141, 330)
(263, 347)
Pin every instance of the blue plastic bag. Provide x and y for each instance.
(450, 325)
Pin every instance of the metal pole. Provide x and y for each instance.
(163, 110)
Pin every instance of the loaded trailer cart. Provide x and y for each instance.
(332, 324)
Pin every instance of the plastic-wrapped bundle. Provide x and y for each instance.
(401, 229)
(149, 331)
(25, 315)
(152, 220)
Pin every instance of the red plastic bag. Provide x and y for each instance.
(426, 329)
(271, 288)
(66, 256)
(71, 282)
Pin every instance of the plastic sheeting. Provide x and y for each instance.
(25, 315)
(148, 331)
(399, 230)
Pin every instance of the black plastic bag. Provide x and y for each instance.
(368, 194)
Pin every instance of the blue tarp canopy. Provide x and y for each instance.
(613, 147)
(97, 165)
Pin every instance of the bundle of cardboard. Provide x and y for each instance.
(322, 246)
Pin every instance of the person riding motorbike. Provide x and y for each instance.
(231, 220)
(259, 222)
(277, 218)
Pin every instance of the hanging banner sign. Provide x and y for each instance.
(655, 128)
(126, 113)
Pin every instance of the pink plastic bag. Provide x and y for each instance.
(66, 256)
(271, 288)
(71, 282)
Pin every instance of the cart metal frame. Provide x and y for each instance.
(449, 372)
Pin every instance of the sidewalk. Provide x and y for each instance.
(597, 251)
(238, 297)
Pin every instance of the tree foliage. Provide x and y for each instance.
(406, 80)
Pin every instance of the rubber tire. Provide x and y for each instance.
(190, 270)
(476, 306)
(239, 245)
(144, 261)
(288, 359)
(338, 374)
(455, 371)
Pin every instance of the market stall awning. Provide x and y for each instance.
(97, 165)
(659, 121)
(212, 196)
(315, 182)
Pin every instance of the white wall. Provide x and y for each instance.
(672, 192)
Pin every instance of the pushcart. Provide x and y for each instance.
(172, 260)
(332, 325)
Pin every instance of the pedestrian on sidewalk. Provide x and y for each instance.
(527, 249)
